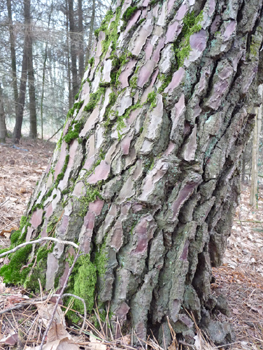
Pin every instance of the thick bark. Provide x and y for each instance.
(145, 176)
(23, 80)
(13, 53)
(3, 131)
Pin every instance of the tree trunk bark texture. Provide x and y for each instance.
(146, 173)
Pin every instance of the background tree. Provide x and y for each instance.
(47, 58)
(145, 176)
(3, 132)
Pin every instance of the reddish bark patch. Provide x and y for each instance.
(184, 194)
(123, 78)
(184, 254)
(173, 30)
(117, 237)
(64, 225)
(132, 21)
(49, 210)
(230, 28)
(101, 173)
(36, 218)
(176, 80)
(96, 207)
(125, 145)
(29, 233)
(61, 161)
(89, 220)
(198, 40)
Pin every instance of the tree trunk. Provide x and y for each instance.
(73, 49)
(81, 40)
(91, 30)
(145, 175)
(13, 53)
(3, 131)
(22, 91)
(32, 91)
(255, 154)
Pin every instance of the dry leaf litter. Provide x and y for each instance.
(240, 278)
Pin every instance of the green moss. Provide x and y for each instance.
(166, 79)
(61, 174)
(91, 61)
(182, 46)
(120, 119)
(73, 131)
(112, 100)
(82, 283)
(111, 32)
(151, 98)
(23, 221)
(101, 260)
(12, 272)
(92, 193)
(128, 14)
(105, 23)
(94, 99)
(14, 237)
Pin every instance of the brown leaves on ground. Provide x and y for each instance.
(240, 279)
(20, 168)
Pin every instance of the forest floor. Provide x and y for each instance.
(240, 278)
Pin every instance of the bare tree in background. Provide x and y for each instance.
(3, 131)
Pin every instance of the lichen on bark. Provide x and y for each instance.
(147, 179)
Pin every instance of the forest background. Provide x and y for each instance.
(45, 47)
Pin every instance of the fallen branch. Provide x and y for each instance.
(55, 133)
(38, 241)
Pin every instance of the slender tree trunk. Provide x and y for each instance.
(146, 175)
(91, 30)
(43, 90)
(22, 90)
(73, 49)
(81, 40)
(255, 153)
(3, 131)
(13, 54)
(32, 91)
(70, 97)
(244, 166)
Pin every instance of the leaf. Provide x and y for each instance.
(95, 344)
(45, 311)
(11, 339)
(63, 344)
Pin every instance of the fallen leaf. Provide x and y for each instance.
(11, 339)
(95, 344)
